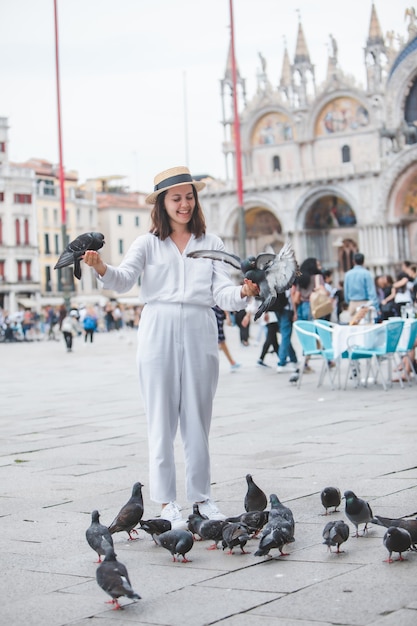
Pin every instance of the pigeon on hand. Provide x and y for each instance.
(177, 541)
(284, 511)
(396, 540)
(155, 526)
(130, 514)
(357, 511)
(113, 578)
(273, 273)
(330, 496)
(277, 533)
(95, 534)
(253, 520)
(75, 250)
(255, 498)
(408, 524)
(235, 534)
(335, 533)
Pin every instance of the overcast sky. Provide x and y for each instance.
(131, 70)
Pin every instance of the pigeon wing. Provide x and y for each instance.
(283, 270)
(217, 255)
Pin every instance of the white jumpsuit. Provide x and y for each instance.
(177, 352)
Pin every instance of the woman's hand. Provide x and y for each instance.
(94, 260)
(249, 288)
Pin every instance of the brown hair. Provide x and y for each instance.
(161, 226)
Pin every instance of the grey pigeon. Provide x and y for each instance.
(177, 541)
(295, 376)
(253, 520)
(95, 534)
(408, 524)
(335, 533)
(357, 511)
(195, 519)
(113, 578)
(235, 534)
(273, 273)
(212, 530)
(75, 250)
(396, 540)
(284, 511)
(155, 526)
(255, 498)
(130, 514)
(276, 533)
(331, 496)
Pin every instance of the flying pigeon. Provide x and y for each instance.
(276, 533)
(396, 540)
(255, 498)
(177, 541)
(335, 533)
(194, 520)
(130, 514)
(155, 526)
(211, 530)
(408, 524)
(357, 511)
(75, 250)
(95, 534)
(113, 578)
(253, 520)
(284, 512)
(273, 273)
(235, 534)
(330, 496)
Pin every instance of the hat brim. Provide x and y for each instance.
(151, 199)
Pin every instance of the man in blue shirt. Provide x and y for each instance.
(359, 286)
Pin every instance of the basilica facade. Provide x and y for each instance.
(332, 168)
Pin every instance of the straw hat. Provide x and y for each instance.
(173, 177)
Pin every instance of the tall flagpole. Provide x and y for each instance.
(238, 149)
(61, 166)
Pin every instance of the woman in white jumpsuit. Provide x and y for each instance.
(177, 338)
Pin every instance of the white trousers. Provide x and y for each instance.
(178, 363)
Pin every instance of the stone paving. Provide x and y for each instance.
(73, 438)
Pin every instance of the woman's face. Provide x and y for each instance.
(180, 204)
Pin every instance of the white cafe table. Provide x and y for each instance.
(341, 334)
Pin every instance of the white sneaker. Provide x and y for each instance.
(280, 369)
(210, 509)
(171, 512)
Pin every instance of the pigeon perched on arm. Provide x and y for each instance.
(113, 578)
(95, 534)
(396, 540)
(357, 511)
(409, 524)
(335, 533)
(130, 514)
(75, 250)
(177, 541)
(255, 498)
(273, 273)
(331, 496)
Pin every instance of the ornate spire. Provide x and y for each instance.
(285, 80)
(375, 35)
(301, 51)
(228, 74)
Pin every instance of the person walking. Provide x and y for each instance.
(359, 287)
(221, 317)
(90, 325)
(177, 354)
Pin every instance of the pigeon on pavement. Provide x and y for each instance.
(177, 541)
(195, 519)
(95, 534)
(331, 496)
(130, 514)
(255, 498)
(75, 250)
(155, 526)
(212, 530)
(235, 534)
(357, 511)
(284, 511)
(113, 578)
(396, 540)
(408, 524)
(275, 534)
(253, 520)
(335, 533)
(273, 273)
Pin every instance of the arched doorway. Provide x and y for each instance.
(262, 229)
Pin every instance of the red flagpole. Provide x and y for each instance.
(58, 94)
(238, 149)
